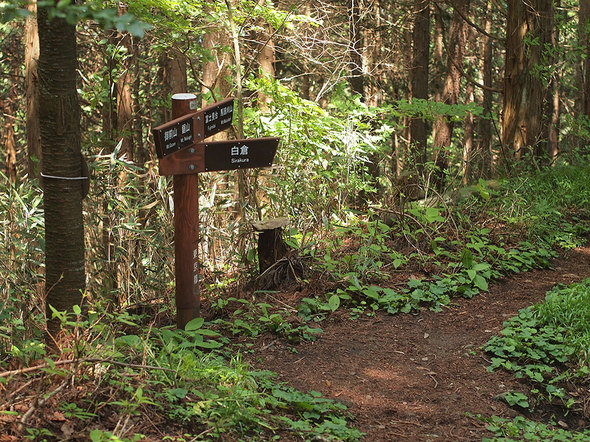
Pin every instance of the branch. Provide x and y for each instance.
(467, 77)
(72, 361)
(470, 23)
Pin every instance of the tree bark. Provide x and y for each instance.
(450, 94)
(355, 52)
(8, 139)
(173, 68)
(419, 82)
(125, 104)
(265, 58)
(469, 121)
(32, 91)
(583, 70)
(524, 92)
(59, 112)
(484, 148)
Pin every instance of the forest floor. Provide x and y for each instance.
(416, 377)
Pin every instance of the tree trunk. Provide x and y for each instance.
(553, 108)
(419, 82)
(125, 103)
(583, 74)
(265, 58)
(468, 124)
(173, 78)
(59, 112)
(32, 90)
(355, 50)
(375, 87)
(524, 92)
(484, 148)
(450, 94)
(8, 139)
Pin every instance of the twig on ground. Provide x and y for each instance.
(40, 403)
(78, 361)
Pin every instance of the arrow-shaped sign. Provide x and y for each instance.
(221, 155)
(189, 129)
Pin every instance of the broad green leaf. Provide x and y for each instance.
(194, 324)
(467, 258)
(481, 283)
(334, 302)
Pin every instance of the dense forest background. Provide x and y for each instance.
(377, 103)
(373, 100)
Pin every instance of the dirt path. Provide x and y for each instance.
(413, 377)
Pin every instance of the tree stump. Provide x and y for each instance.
(271, 245)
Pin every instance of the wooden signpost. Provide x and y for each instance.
(183, 153)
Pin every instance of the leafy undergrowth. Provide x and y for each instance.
(547, 346)
(159, 383)
(123, 377)
(424, 256)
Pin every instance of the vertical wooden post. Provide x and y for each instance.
(186, 229)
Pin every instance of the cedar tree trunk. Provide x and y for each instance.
(59, 112)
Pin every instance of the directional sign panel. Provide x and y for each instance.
(240, 154)
(174, 135)
(215, 118)
(220, 155)
(185, 131)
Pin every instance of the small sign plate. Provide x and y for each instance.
(215, 118)
(189, 129)
(174, 135)
(240, 154)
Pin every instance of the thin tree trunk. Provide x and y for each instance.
(553, 110)
(32, 90)
(355, 51)
(468, 124)
(59, 112)
(419, 81)
(8, 139)
(265, 58)
(583, 99)
(484, 148)
(450, 95)
(125, 104)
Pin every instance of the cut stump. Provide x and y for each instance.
(271, 245)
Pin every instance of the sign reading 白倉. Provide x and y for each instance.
(240, 154)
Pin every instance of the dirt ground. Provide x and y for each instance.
(414, 377)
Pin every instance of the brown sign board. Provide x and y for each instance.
(189, 129)
(175, 135)
(221, 155)
(240, 154)
(215, 118)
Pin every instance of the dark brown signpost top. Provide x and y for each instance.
(189, 129)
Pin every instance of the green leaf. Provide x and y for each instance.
(481, 283)
(77, 310)
(334, 302)
(467, 258)
(194, 324)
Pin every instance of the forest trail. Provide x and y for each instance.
(414, 377)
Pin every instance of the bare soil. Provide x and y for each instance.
(414, 377)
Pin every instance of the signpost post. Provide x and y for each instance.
(186, 227)
(184, 153)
